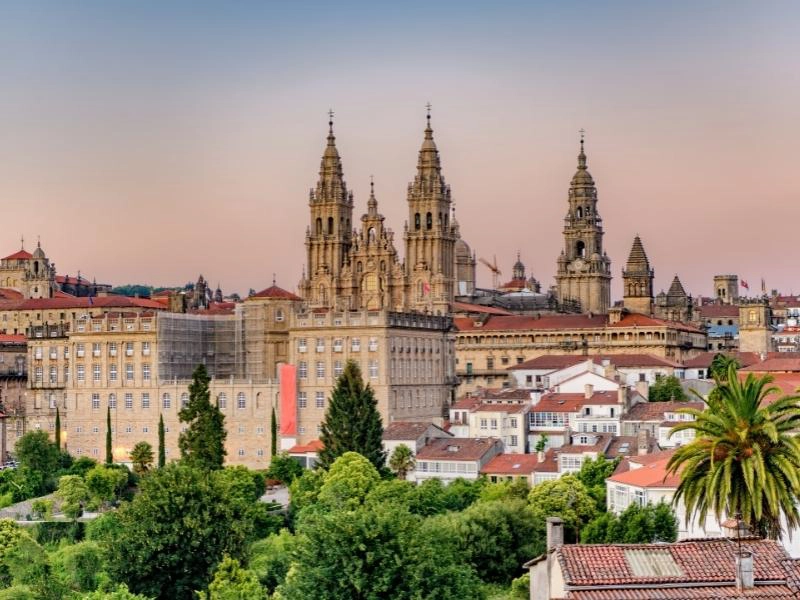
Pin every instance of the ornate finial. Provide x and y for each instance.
(428, 108)
(273, 275)
(22, 242)
(582, 155)
(330, 121)
(38, 241)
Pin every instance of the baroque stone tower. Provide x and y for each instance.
(637, 277)
(584, 269)
(430, 234)
(726, 288)
(328, 237)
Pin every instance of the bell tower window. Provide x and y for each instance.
(416, 221)
(330, 225)
(319, 226)
(428, 221)
(580, 249)
(579, 212)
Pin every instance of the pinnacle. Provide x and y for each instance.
(638, 257)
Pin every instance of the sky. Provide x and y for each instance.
(149, 142)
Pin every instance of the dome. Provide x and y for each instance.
(582, 177)
(462, 249)
(38, 253)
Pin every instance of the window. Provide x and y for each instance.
(128, 372)
(373, 369)
(128, 348)
(512, 422)
(493, 424)
(145, 400)
(128, 428)
(355, 345)
(112, 372)
(320, 369)
(571, 463)
(128, 400)
(53, 353)
(513, 441)
(96, 372)
(241, 401)
(337, 345)
(320, 345)
(302, 369)
(241, 428)
(37, 353)
(184, 399)
(81, 373)
(337, 368)
(38, 374)
(146, 371)
(373, 344)
(145, 429)
(112, 401)
(278, 315)
(260, 452)
(166, 401)
(484, 423)
(490, 363)
(79, 350)
(53, 374)
(96, 349)
(319, 399)
(146, 348)
(260, 429)
(112, 348)
(222, 400)
(95, 401)
(66, 373)
(504, 360)
(52, 400)
(302, 400)
(302, 345)
(66, 351)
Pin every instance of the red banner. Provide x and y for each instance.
(288, 400)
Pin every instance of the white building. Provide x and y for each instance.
(454, 458)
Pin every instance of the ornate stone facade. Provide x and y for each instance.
(675, 304)
(637, 278)
(584, 269)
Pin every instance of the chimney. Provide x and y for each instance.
(643, 442)
(588, 390)
(643, 388)
(744, 566)
(555, 537)
(623, 397)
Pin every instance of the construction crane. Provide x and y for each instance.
(495, 271)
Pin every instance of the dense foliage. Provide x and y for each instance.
(667, 389)
(636, 525)
(202, 445)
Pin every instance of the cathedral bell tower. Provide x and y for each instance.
(637, 277)
(584, 269)
(430, 234)
(328, 237)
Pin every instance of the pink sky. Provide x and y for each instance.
(149, 155)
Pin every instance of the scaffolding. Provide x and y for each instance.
(185, 341)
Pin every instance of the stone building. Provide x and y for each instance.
(675, 304)
(584, 269)
(755, 331)
(32, 275)
(637, 278)
(13, 387)
(726, 289)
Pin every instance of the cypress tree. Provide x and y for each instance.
(58, 429)
(352, 421)
(203, 443)
(109, 451)
(273, 426)
(162, 454)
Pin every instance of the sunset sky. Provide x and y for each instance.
(148, 142)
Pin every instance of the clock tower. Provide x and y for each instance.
(584, 269)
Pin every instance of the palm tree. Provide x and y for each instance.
(745, 457)
(142, 457)
(720, 365)
(402, 461)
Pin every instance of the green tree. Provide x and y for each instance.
(593, 475)
(352, 421)
(10, 535)
(58, 430)
(667, 389)
(79, 567)
(304, 490)
(402, 461)
(105, 484)
(109, 449)
(541, 443)
(636, 525)
(232, 582)
(499, 536)
(284, 468)
(271, 558)
(175, 530)
(74, 494)
(162, 452)
(82, 466)
(565, 497)
(142, 457)
(348, 481)
(120, 592)
(202, 445)
(720, 366)
(38, 459)
(745, 458)
(42, 508)
(273, 430)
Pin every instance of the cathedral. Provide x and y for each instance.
(583, 275)
(354, 268)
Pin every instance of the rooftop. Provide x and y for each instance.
(510, 464)
(407, 430)
(457, 448)
(654, 411)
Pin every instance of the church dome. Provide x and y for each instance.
(38, 253)
(462, 249)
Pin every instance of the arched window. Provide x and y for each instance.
(166, 401)
(579, 213)
(319, 226)
(184, 399)
(580, 249)
(330, 225)
(383, 266)
(112, 401)
(371, 234)
(241, 401)
(222, 400)
(416, 221)
(359, 267)
(323, 294)
(428, 221)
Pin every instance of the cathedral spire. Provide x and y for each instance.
(372, 203)
(637, 259)
(428, 154)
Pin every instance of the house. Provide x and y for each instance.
(693, 569)
(455, 458)
(698, 367)
(413, 434)
(306, 454)
(499, 413)
(658, 419)
(512, 467)
(588, 446)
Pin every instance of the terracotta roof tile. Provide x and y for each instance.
(650, 475)
(511, 464)
(704, 359)
(712, 311)
(521, 322)
(457, 448)
(466, 307)
(312, 446)
(654, 411)
(407, 430)
(19, 255)
(276, 292)
(572, 402)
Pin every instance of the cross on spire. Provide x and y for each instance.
(330, 119)
(22, 241)
(273, 279)
(428, 108)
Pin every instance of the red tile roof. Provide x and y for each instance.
(698, 562)
(761, 592)
(651, 475)
(85, 302)
(550, 361)
(640, 320)
(466, 403)
(557, 402)
(457, 448)
(654, 411)
(498, 407)
(775, 365)
(275, 292)
(10, 294)
(8, 338)
(465, 307)
(312, 446)
(704, 359)
(66, 279)
(521, 322)
(713, 311)
(562, 361)
(511, 464)
(19, 255)
(407, 430)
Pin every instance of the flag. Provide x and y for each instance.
(426, 288)
(745, 285)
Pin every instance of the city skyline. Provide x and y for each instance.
(198, 157)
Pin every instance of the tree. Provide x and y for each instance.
(232, 582)
(179, 525)
(80, 566)
(105, 484)
(162, 452)
(284, 468)
(142, 457)
(402, 461)
(720, 366)
(667, 389)
(593, 475)
(541, 443)
(348, 481)
(273, 430)
(109, 449)
(565, 497)
(352, 421)
(636, 525)
(202, 445)
(73, 491)
(745, 457)
(10, 535)
(120, 592)
(58, 430)
(271, 558)
(37, 453)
